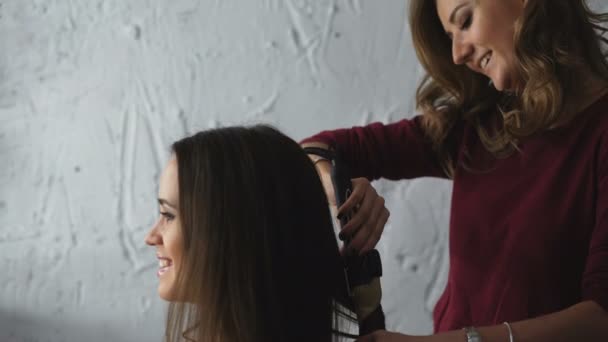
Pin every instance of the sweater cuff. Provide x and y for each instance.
(597, 294)
(324, 137)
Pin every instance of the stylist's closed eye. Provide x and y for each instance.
(467, 22)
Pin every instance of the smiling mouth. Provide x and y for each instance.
(164, 264)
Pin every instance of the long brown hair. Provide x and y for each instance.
(554, 41)
(261, 257)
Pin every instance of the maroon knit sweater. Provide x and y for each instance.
(528, 233)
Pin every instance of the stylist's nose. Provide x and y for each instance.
(153, 238)
(461, 51)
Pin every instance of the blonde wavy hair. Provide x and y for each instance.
(554, 41)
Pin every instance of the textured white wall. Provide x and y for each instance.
(92, 93)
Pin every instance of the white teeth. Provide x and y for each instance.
(164, 265)
(485, 61)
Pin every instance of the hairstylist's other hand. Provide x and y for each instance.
(324, 170)
(368, 216)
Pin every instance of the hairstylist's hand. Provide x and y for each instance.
(368, 216)
(366, 207)
(385, 336)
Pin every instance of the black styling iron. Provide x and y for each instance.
(363, 272)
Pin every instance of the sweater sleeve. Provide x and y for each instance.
(394, 151)
(595, 278)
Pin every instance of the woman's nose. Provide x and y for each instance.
(153, 238)
(461, 51)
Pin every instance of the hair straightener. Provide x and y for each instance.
(363, 272)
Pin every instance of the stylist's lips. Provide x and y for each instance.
(163, 265)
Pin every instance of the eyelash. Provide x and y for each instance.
(169, 217)
(467, 23)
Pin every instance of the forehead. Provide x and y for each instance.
(168, 185)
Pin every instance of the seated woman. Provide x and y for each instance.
(245, 241)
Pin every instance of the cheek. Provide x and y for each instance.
(500, 42)
(174, 243)
(483, 35)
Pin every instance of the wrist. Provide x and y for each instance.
(496, 333)
(449, 336)
(472, 335)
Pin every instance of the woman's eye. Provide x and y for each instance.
(467, 23)
(167, 216)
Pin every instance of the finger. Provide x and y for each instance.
(373, 239)
(359, 189)
(358, 239)
(361, 215)
(372, 218)
(363, 208)
(366, 216)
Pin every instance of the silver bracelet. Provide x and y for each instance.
(472, 334)
(511, 339)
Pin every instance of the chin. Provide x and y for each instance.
(165, 293)
(505, 80)
(501, 84)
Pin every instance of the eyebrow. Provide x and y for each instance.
(456, 11)
(163, 201)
